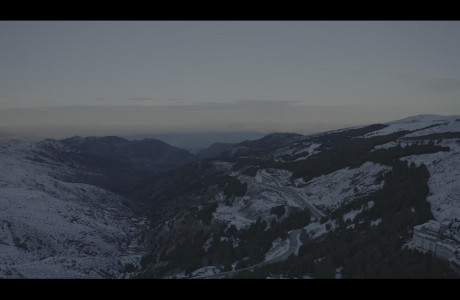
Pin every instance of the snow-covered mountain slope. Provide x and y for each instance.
(444, 181)
(243, 211)
(327, 192)
(50, 228)
(431, 123)
(335, 189)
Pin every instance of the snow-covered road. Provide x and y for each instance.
(293, 194)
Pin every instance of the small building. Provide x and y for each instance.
(426, 236)
(441, 239)
(446, 250)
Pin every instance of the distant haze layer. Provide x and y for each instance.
(65, 78)
(61, 122)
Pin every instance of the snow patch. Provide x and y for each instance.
(351, 215)
(370, 204)
(286, 153)
(401, 143)
(206, 271)
(208, 243)
(247, 209)
(279, 247)
(376, 222)
(316, 229)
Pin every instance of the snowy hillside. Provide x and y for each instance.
(243, 211)
(431, 123)
(444, 181)
(308, 205)
(50, 228)
(327, 192)
(335, 189)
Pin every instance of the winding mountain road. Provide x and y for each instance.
(293, 235)
(294, 244)
(292, 193)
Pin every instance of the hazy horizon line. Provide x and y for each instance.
(8, 133)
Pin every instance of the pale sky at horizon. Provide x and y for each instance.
(62, 78)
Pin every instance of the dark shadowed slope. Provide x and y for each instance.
(124, 163)
(215, 150)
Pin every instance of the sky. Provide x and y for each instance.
(65, 78)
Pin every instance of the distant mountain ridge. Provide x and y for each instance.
(147, 153)
(143, 154)
(264, 144)
(195, 142)
(124, 162)
(215, 150)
